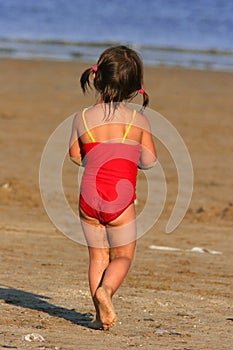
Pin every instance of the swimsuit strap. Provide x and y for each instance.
(92, 137)
(86, 127)
(129, 126)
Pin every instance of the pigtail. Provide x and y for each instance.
(85, 79)
(145, 98)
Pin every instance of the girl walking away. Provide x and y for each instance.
(111, 141)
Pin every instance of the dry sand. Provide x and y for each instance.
(44, 287)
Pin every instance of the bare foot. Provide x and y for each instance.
(106, 309)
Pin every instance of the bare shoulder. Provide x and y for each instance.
(77, 116)
(78, 122)
(142, 121)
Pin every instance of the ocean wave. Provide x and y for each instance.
(105, 44)
(89, 52)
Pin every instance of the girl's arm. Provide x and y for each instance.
(148, 152)
(74, 148)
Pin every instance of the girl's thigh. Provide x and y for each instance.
(95, 233)
(122, 230)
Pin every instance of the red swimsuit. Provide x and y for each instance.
(109, 180)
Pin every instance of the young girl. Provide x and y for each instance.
(111, 141)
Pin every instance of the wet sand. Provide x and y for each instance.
(170, 299)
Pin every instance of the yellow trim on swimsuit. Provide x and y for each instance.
(92, 137)
(86, 127)
(129, 126)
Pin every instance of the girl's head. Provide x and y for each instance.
(117, 77)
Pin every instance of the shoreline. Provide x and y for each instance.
(56, 50)
(90, 62)
(85, 63)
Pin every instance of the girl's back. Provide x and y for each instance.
(120, 125)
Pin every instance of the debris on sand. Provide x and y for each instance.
(160, 331)
(33, 337)
(194, 249)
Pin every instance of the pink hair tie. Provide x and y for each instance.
(141, 91)
(95, 68)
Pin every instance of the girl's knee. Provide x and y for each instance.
(127, 254)
(99, 254)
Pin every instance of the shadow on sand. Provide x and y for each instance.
(41, 303)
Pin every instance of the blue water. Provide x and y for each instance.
(166, 32)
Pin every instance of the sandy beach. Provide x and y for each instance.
(171, 299)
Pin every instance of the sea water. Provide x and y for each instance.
(185, 33)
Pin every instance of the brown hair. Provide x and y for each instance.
(118, 75)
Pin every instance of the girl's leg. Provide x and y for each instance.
(121, 258)
(98, 263)
(99, 259)
(122, 239)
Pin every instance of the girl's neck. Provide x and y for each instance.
(109, 109)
